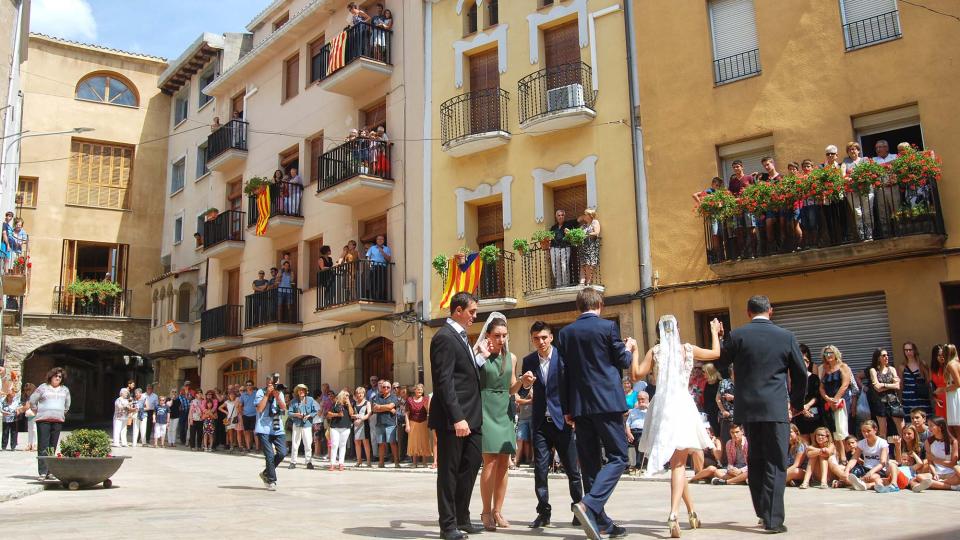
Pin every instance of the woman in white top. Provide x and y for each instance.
(951, 392)
(942, 458)
(231, 408)
(121, 409)
(861, 205)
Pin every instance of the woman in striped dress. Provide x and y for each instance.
(914, 379)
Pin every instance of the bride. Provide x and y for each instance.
(673, 428)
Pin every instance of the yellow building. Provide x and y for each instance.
(290, 102)
(531, 114)
(90, 196)
(739, 79)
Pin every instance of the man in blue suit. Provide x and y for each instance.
(544, 368)
(593, 404)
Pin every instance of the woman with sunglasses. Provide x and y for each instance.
(883, 397)
(50, 401)
(834, 381)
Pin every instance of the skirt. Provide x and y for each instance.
(953, 408)
(418, 443)
(208, 426)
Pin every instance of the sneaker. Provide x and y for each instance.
(955, 488)
(718, 482)
(856, 483)
(923, 484)
(263, 477)
(292, 465)
(272, 486)
(310, 465)
(880, 488)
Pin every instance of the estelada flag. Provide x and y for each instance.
(462, 277)
(338, 50)
(263, 210)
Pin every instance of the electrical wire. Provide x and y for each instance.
(930, 9)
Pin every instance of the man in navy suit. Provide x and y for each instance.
(593, 404)
(544, 368)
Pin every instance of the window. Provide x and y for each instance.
(178, 230)
(95, 261)
(99, 174)
(545, 3)
(306, 371)
(183, 303)
(290, 158)
(735, 51)
(866, 22)
(206, 78)
(369, 230)
(493, 13)
(239, 372)
(572, 199)
(180, 106)
(291, 77)
(27, 191)
(318, 65)
(109, 89)
(375, 116)
(749, 152)
(202, 160)
(470, 20)
(312, 268)
(316, 150)
(282, 20)
(703, 318)
(177, 174)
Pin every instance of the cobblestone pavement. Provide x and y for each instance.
(160, 492)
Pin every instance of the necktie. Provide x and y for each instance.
(477, 359)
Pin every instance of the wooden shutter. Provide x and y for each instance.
(312, 268)
(233, 287)
(291, 77)
(316, 68)
(562, 44)
(27, 191)
(571, 199)
(235, 195)
(99, 175)
(237, 104)
(373, 227)
(489, 223)
(484, 70)
(734, 27)
(290, 158)
(316, 150)
(376, 116)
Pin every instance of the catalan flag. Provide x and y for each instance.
(263, 210)
(462, 277)
(338, 52)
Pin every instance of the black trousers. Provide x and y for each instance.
(458, 461)
(599, 435)
(767, 469)
(48, 434)
(9, 435)
(150, 420)
(182, 429)
(546, 439)
(196, 434)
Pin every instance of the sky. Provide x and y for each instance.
(156, 27)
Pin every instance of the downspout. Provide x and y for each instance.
(427, 181)
(639, 172)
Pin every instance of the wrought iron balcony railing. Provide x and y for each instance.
(366, 157)
(872, 30)
(357, 281)
(556, 89)
(280, 305)
(222, 321)
(473, 113)
(230, 136)
(736, 67)
(285, 200)
(362, 40)
(556, 268)
(226, 226)
(114, 306)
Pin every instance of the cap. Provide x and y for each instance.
(299, 386)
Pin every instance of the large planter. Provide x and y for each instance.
(14, 284)
(83, 472)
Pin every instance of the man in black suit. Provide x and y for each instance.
(542, 373)
(593, 404)
(456, 414)
(763, 354)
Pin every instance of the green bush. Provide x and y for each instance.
(86, 443)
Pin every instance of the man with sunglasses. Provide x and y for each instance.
(247, 400)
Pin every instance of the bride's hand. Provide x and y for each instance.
(716, 327)
(483, 347)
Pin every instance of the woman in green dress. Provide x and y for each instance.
(498, 382)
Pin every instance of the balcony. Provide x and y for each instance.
(286, 213)
(355, 172)
(227, 145)
(357, 60)
(220, 327)
(166, 344)
(872, 30)
(896, 223)
(736, 67)
(558, 97)
(78, 306)
(474, 122)
(272, 313)
(496, 291)
(223, 235)
(546, 282)
(355, 291)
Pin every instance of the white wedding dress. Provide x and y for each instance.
(673, 421)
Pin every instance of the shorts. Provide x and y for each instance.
(249, 422)
(159, 430)
(749, 220)
(524, 429)
(808, 216)
(385, 434)
(859, 470)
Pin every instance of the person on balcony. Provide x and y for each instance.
(380, 256)
(560, 249)
(773, 219)
(746, 224)
(216, 124)
(892, 197)
(346, 275)
(382, 22)
(287, 286)
(835, 216)
(379, 143)
(716, 247)
(860, 205)
(290, 193)
(810, 212)
(590, 251)
(5, 237)
(325, 276)
(357, 15)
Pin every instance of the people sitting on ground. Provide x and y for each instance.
(942, 454)
(878, 471)
(820, 455)
(706, 463)
(725, 395)
(797, 452)
(737, 449)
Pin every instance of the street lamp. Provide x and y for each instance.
(25, 134)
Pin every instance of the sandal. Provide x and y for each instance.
(804, 485)
(488, 523)
(673, 526)
(498, 518)
(694, 520)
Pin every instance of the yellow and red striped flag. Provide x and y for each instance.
(462, 277)
(338, 52)
(263, 210)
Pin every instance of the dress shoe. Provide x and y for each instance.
(452, 535)
(776, 530)
(471, 528)
(616, 531)
(575, 522)
(541, 522)
(587, 521)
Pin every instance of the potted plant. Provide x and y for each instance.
(520, 245)
(461, 254)
(84, 460)
(440, 264)
(720, 205)
(915, 169)
(866, 177)
(489, 254)
(15, 280)
(542, 237)
(255, 185)
(575, 236)
(211, 214)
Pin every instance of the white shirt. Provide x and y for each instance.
(764, 317)
(545, 365)
(871, 454)
(888, 159)
(478, 358)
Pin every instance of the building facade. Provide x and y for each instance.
(786, 81)
(89, 193)
(14, 20)
(531, 114)
(301, 99)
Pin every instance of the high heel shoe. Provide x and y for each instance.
(488, 523)
(694, 520)
(673, 526)
(502, 523)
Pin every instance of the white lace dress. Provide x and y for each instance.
(673, 421)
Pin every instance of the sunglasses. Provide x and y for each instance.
(831, 153)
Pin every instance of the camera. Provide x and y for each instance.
(275, 378)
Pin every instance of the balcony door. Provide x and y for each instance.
(93, 261)
(233, 287)
(484, 82)
(562, 52)
(490, 233)
(236, 105)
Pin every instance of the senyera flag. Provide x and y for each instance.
(338, 52)
(263, 210)
(462, 277)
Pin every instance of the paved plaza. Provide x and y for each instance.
(160, 492)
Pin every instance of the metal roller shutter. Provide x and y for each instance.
(858, 10)
(855, 324)
(734, 27)
(751, 163)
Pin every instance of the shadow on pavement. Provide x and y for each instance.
(252, 488)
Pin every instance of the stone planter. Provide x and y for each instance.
(76, 473)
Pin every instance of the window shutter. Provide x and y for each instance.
(99, 175)
(751, 163)
(316, 150)
(572, 200)
(489, 223)
(858, 10)
(734, 27)
(292, 76)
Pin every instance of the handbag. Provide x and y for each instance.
(863, 407)
(893, 404)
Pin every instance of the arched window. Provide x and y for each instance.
(107, 88)
(170, 300)
(183, 303)
(306, 371)
(239, 371)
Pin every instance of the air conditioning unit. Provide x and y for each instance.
(565, 97)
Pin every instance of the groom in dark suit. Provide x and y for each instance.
(456, 414)
(593, 404)
(763, 354)
(542, 372)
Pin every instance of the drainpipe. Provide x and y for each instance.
(427, 180)
(639, 173)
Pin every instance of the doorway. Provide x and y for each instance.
(485, 98)
(377, 359)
